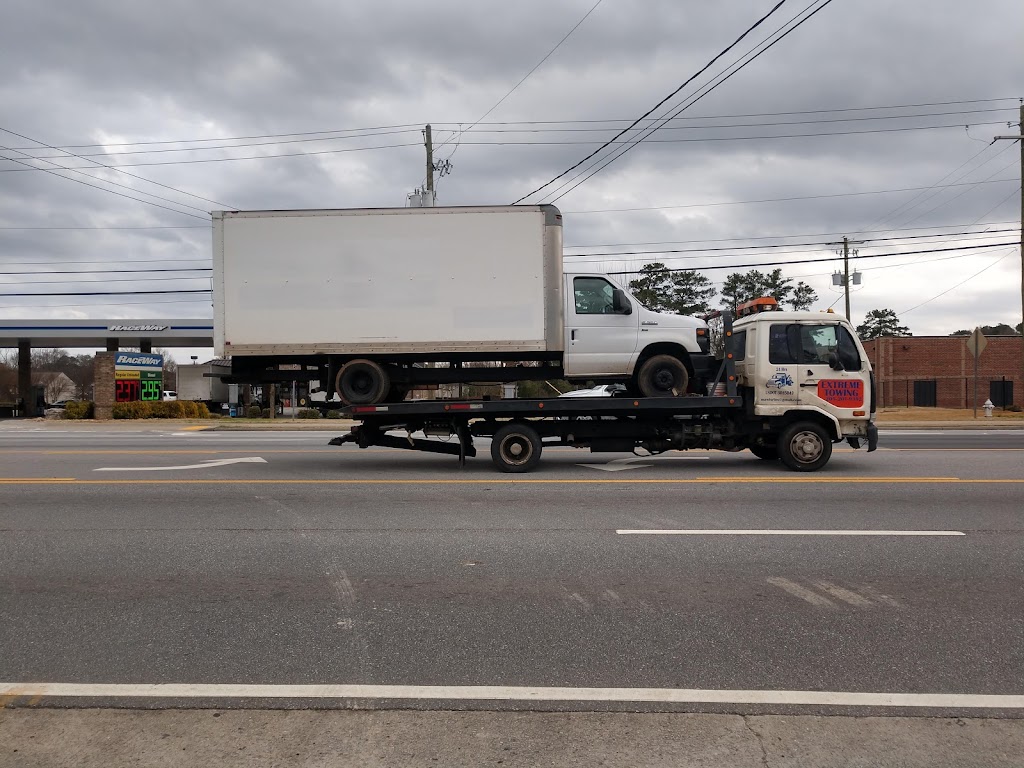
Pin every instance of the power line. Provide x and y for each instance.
(94, 186)
(750, 29)
(933, 298)
(776, 199)
(104, 280)
(188, 226)
(715, 83)
(126, 173)
(111, 271)
(106, 293)
(227, 159)
(416, 127)
(816, 261)
(733, 249)
(535, 67)
(767, 245)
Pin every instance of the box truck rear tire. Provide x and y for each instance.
(516, 448)
(662, 376)
(362, 382)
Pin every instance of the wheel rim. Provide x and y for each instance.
(361, 383)
(516, 449)
(807, 447)
(664, 379)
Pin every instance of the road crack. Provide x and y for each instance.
(760, 740)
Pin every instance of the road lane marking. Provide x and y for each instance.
(797, 591)
(513, 693)
(209, 464)
(846, 595)
(633, 462)
(780, 532)
(504, 481)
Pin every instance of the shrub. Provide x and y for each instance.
(266, 413)
(253, 412)
(1015, 408)
(307, 413)
(173, 409)
(334, 414)
(78, 409)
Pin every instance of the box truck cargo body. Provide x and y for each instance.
(374, 302)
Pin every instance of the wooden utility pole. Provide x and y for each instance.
(430, 163)
(1020, 138)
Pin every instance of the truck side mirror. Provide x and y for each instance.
(834, 362)
(620, 304)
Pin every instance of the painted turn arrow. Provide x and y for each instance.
(633, 462)
(203, 465)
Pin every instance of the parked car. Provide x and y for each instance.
(603, 390)
(170, 395)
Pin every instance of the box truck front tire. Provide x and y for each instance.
(662, 376)
(362, 382)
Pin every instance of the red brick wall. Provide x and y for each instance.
(899, 362)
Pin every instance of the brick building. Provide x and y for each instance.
(939, 371)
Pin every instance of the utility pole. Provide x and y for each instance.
(845, 282)
(1020, 138)
(430, 163)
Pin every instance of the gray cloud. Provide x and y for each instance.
(120, 71)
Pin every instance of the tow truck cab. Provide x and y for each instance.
(807, 365)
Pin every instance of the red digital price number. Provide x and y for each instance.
(127, 390)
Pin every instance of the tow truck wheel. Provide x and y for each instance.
(804, 446)
(362, 382)
(516, 448)
(766, 452)
(663, 376)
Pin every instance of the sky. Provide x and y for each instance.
(869, 119)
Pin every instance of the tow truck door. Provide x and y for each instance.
(815, 364)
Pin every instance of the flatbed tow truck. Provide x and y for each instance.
(789, 386)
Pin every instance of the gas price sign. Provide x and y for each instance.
(138, 376)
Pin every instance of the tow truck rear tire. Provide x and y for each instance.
(805, 446)
(362, 382)
(516, 448)
(663, 376)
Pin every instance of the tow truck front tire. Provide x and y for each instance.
(516, 448)
(804, 446)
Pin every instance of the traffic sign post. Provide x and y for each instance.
(976, 344)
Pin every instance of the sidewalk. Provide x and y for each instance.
(97, 738)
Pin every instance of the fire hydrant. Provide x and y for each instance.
(989, 407)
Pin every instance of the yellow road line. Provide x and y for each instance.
(524, 481)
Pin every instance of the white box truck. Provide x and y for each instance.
(374, 302)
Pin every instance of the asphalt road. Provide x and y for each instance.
(133, 559)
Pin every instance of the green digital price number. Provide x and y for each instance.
(151, 390)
